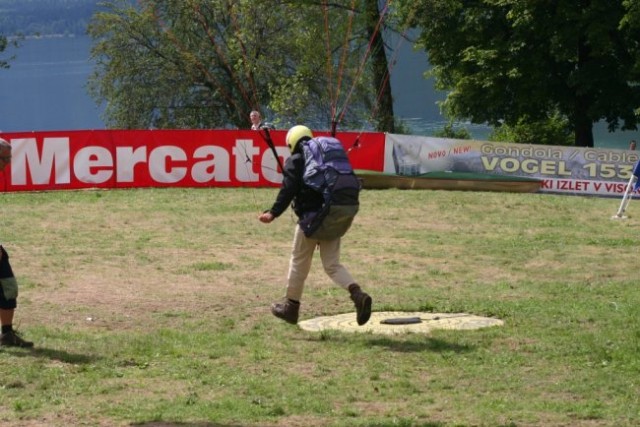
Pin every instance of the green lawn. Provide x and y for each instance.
(151, 307)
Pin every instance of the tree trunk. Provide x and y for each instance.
(582, 121)
(382, 87)
(583, 132)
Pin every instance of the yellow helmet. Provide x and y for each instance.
(295, 134)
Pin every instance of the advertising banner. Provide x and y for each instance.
(562, 170)
(159, 158)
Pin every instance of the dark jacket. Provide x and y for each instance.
(294, 191)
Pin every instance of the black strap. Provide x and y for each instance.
(267, 138)
(401, 321)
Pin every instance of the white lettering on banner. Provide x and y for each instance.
(90, 158)
(531, 166)
(526, 151)
(611, 156)
(269, 165)
(244, 160)
(245, 152)
(160, 160)
(218, 165)
(167, 164)
(126, 159)
(54, 150)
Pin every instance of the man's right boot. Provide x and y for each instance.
(362, 301)
(286, 310)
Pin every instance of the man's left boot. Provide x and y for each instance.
(286, 310)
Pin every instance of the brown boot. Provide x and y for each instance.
(362, 301)
(12, 339)
(286, 310)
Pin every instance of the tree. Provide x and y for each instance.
(379, 67)
(166, 64)
(522, 61)
(4, 42)
(3, 46)
(631, 28)
(549, 131)
(204, 64)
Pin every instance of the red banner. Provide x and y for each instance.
(160, 158)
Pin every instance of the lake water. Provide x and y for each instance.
(45, 89)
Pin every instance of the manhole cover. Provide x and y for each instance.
(398, 322)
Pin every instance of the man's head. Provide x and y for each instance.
(255, 118)
(632, 145)
(297, 134)
(5, 153)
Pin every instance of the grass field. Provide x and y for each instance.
(151, 307)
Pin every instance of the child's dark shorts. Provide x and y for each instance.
(8, 283)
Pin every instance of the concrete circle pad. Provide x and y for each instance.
(398, 322)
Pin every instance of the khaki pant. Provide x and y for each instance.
(302, 256)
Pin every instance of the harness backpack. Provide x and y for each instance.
(329, 172)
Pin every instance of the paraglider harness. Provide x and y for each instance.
(328, 171)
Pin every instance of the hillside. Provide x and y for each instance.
(46, 17)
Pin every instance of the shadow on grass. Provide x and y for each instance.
(429, 424)
(395, 424)
(59, 355)
(412, 345)
(170, 424)
(427, 344)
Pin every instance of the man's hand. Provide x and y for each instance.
(266, 217)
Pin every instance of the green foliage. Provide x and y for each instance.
(553, 131)
(517, 62)
(203, 64)
(630, 26)
(3, 45)
(401, 127)
(450, 131)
